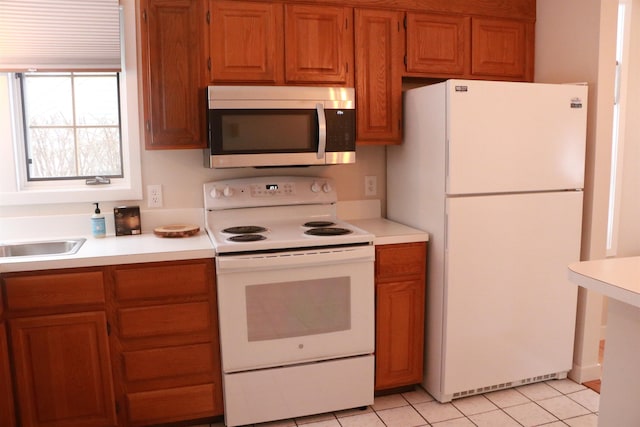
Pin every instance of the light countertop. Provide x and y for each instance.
(617, 278)
(388, 232)
(146, 247)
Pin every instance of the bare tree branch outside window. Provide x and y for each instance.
(72, 125)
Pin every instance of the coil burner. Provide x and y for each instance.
(327, 231)
(245, 229)
(246, 238)
(316, 224)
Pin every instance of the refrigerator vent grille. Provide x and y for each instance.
(505, 385)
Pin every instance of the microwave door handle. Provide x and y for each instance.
(322, 131)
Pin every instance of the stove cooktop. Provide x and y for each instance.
(276, 213)
(285, 234)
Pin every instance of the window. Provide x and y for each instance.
(65, 123)
(71, 125)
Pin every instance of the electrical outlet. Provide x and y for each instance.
(370, 186)
(154, 196)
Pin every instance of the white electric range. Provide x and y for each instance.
(295, 291)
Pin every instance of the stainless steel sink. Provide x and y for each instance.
(42, 248)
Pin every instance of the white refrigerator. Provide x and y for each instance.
(494, 172)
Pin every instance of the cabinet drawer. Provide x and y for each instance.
(161, 406)
(163, 281)
(405, 259)
(49, 291)
(168, 362)
(163, 320)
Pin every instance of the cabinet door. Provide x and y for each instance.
(63, 370)
(438, 44)
(502, 48)
(318, 44)
(399, 329)
(7, 412)
(172, 53)
(246, 42)
(378, 76)
(400, 304)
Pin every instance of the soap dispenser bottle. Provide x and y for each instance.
(98, 225)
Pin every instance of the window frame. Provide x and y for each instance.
(15, 189)
(617, 137)
(21, 78)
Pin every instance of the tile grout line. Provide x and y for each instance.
(407, 403)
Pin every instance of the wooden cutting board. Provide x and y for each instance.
(176, 230)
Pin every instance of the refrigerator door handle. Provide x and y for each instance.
(446, 166)
(445, 236)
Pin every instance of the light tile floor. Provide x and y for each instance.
(553, 403)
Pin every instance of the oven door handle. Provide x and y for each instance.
(243, 263)
(322, 131)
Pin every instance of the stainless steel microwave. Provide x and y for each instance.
(263, 126)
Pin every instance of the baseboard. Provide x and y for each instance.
(581, 374)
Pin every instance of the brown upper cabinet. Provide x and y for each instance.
(246, 41)
(438, 44)
(172, 73)
(502, 48)
(459, 46)
(186, 45)
(379, 41)
(318, 44)
(275, 43)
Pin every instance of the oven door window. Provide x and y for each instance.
(263, 131)
(295, 309)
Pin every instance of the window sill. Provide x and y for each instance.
(41, 196)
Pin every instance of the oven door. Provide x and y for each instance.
(295, 307)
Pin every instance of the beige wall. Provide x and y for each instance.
(181, 174)
(575, 42)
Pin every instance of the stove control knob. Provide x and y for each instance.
(215, 193)
(315, 187)
(326, 187)
(228, 191)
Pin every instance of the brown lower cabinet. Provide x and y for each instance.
(59, 348)
(165, 342)
(7, 411)
(137, 344)
(126, 345)
(63, 374)
(400, 303)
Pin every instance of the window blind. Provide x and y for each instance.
(49, 35)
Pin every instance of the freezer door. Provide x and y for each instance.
(512, 137)
(509, 309)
